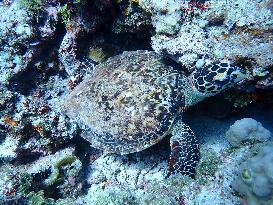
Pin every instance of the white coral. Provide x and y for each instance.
(8, 148)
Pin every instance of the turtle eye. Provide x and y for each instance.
(233, 77)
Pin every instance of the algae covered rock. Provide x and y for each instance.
(255, 180)
(207, 166)
(247, 129)
(54, 163)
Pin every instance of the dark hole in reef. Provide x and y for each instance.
(171, 60)
(85, 153)
(24, 156)
(244, 62)
(37, 185)
(3, 133)
(115, 43)
(21, 48)
(27, 131)
(158, 152)
(29, 79)
(38, 179)
(218, 21)
(25, 81)
(52, 192)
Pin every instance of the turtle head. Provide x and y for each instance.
(214, 78)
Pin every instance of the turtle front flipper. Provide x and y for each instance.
(184, 150)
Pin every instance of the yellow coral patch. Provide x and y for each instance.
(97, 55)
(9, 121)
(134, 1)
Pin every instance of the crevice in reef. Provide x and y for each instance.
(106, 38)
(33, 75)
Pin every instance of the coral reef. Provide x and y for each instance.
(53, 164)
(8, 149)
(59, 172)
(113, 196)
(34, 129)
(136, 179)
(16, 36)
(47, 47)
(132, 18)
(207, 166)
(254, 179)
(35, 7)
(247, 130)
(195, 32)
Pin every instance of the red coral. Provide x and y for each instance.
(193, 6)
(197, 4)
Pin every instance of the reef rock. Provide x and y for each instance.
(255, 180)
(247, 129)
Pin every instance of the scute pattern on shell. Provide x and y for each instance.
(129, 103)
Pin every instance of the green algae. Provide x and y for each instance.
(207, 166)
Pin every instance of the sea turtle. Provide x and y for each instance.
(132, 101)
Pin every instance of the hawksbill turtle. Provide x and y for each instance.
(133, 100)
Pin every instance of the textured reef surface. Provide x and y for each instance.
(49, 49)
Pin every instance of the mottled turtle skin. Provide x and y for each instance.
(132, 101)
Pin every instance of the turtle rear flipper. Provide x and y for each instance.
(184, 150)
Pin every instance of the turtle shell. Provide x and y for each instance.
(129, 102)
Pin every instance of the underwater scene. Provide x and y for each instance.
(136, 102)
